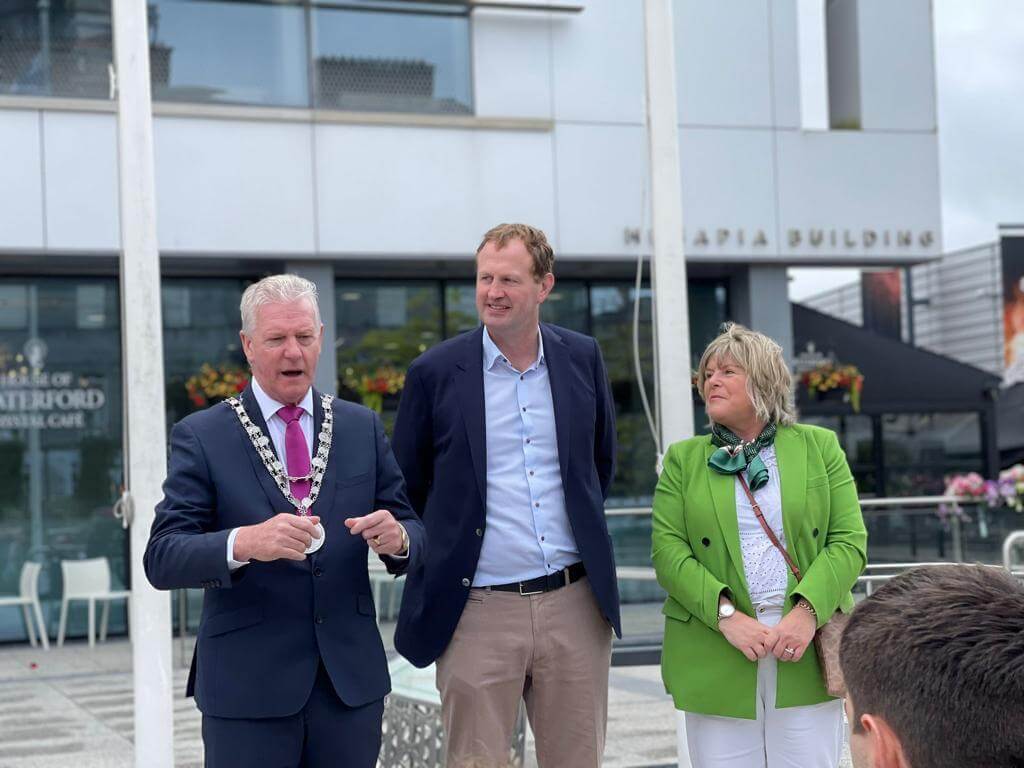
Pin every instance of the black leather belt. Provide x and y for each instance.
(563, 578)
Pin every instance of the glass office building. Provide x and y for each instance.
(367, 144)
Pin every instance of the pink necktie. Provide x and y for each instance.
(296, 452)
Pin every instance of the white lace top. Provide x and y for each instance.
(763, 565)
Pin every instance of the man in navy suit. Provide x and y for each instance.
(506, 438)
(270, 504)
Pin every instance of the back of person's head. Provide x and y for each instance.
(934, 666)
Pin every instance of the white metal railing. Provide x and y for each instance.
(874, 573)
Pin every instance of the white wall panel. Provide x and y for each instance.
(599, 62)
(21, 193)
(409, 191)
(897, 65)
(512, 64)
(234, 186)
(601, 187)
(728, 191)
(785, 62)
(81, 181)
(723, 62)
(849, 180)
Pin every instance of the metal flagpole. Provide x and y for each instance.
(668, 265)
(142, 354)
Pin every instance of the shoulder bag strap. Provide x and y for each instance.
(767, 528)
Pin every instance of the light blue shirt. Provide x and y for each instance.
(528, 532)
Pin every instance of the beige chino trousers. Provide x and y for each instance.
(551, 650)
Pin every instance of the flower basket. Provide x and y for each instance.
(372, 386)
(829, 380)
(213, 384)
(1005, 491)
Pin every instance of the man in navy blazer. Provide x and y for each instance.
(270, 505)
(506, 438)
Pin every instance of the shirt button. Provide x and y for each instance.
(521, 377)
(527, 441)
(479, 531)
(542, 538)
(465, 582)
(531, 473)
(524, 409)
(536, 503)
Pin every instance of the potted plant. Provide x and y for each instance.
(830, 377)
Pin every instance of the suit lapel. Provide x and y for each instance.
(278, 502)
(469, 384)
(723, 492)
(558, 359)
(791, 451)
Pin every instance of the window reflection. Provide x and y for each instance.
(228, 52)
(60, 436)
(58, 48)
(201, 343)
(381, 328)
(375, 56)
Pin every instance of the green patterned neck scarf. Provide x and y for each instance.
(734, 456)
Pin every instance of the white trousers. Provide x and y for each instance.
(794, 737)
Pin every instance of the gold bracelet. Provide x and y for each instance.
(806, 605)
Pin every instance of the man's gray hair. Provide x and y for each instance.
(276, 289)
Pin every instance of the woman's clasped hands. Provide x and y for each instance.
(787, 641)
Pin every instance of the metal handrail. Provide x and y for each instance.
(871, 503)
(1008, 545)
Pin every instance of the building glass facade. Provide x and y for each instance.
(364, 56)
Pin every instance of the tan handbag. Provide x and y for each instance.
(826, 639)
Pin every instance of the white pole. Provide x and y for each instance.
(142, 345)
(668, 267)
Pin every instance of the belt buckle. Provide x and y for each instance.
(525, 594)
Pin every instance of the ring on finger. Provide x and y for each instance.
(376, 541)
(790, 651)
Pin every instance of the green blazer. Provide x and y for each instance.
(696, 554)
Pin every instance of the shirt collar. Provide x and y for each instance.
(269, 406)
(492, 354)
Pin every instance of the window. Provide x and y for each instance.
(60, 436)
(228, 52)
(55, 48)
(829, 64)
(380, 57)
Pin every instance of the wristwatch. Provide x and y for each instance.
(725, 610)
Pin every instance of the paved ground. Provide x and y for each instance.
(73, 707)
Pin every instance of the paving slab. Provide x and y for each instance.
(72, 706)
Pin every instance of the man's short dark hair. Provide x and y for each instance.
(938, 653)
(533, 239)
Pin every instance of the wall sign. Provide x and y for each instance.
(33, 398)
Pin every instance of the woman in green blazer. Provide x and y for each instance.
(738, 656)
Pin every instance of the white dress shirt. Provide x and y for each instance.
(276, 426)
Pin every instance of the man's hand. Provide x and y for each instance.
(283, 537)
(794, 633)
(381, 531)
(749, 636)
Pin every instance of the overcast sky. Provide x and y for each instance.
(979, 58)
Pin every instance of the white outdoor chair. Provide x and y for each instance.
(88, 580)
(29, 596)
